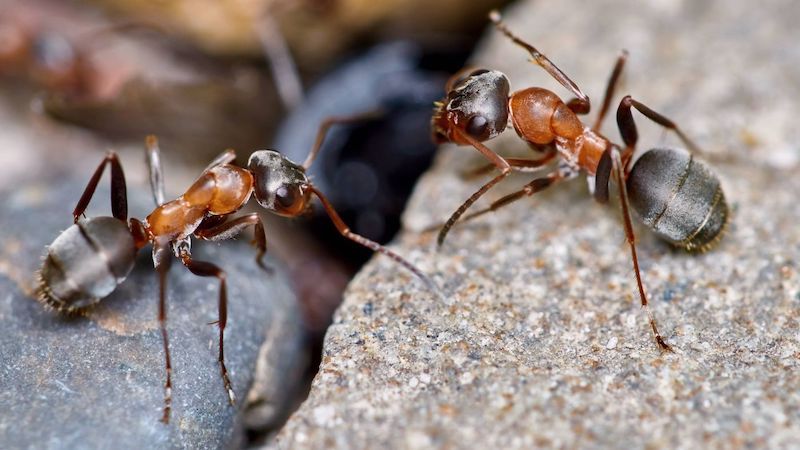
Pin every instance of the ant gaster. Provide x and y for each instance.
(87, 261)
(676, 195)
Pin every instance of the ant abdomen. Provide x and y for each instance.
(678, 197)
(85, 263)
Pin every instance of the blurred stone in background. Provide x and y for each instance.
(124, 79)
(370, 166)
(317, 31)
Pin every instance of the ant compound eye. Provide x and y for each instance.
(476, 126)
(475, 73)
(286, 196)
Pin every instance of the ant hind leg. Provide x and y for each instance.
(630, 135)
(618, 168)
(119, 194)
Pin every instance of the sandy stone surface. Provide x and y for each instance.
(541, 342)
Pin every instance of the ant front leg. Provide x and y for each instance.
(580, 104)
(229, 230)
(207, 269)
(499, 162)
(520, 164)
(119, 194)
(162, 259)
(631, 238)
(537, 185)
(627, 127)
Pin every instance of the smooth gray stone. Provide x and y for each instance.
(542, 342)
(96, 381)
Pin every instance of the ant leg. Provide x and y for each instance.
(206, 269)
(537, 185)
(464, 206)
(518, 164)
(602, 175)
(627, 127)
(211, 222)
(579, 105)
(229, 230)
(119, 195)
(162, 259)
(626, 220)
(496, 160)
(153, 156)
(326, 124)
(610, 88)
(372, 245)
(500, 162)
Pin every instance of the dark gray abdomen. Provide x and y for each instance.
(86, 262)
(678, 197)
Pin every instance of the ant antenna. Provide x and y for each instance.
(541, 60)
(372, 245)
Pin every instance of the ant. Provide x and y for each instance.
(87, 261)
(51, 59)
(676, 195)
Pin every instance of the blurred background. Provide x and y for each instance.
(78, 78)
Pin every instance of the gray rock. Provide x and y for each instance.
(542, 342)
(96, 381)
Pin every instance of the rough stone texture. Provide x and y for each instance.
(97, 381)
(542, 342)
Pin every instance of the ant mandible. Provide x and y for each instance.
(676, 196)
(87, 261)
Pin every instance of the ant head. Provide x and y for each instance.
(281, 186)
(476, 104)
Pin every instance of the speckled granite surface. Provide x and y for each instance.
(542, 342)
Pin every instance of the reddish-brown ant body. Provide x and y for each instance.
(90, 259)
(676, 195)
